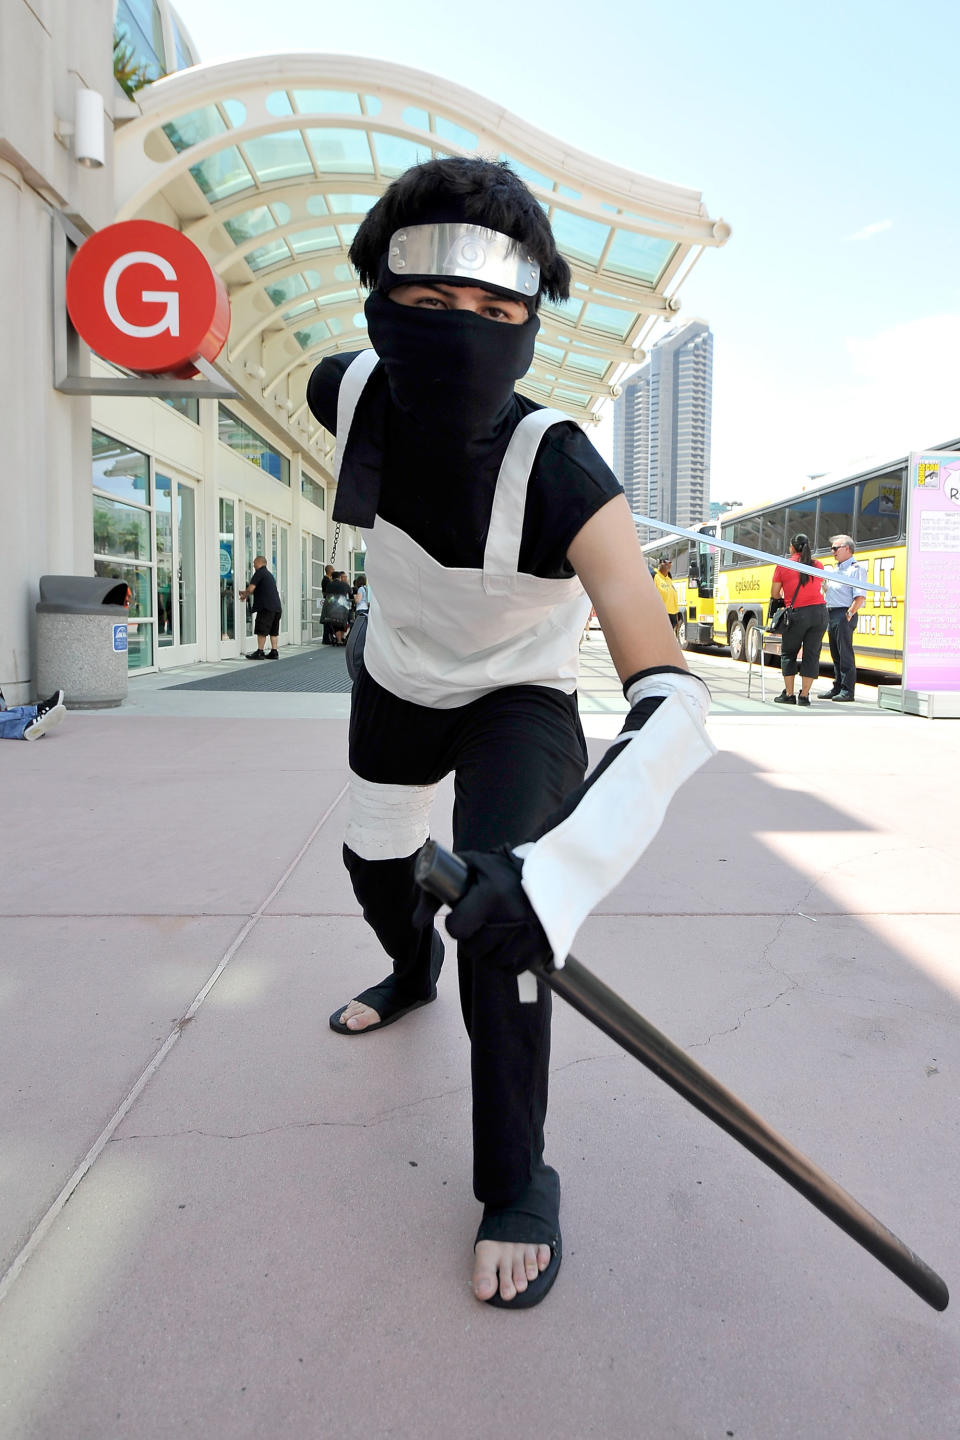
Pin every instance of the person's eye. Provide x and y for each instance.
(497, 312)
(431, 302)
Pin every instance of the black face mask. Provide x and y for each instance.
(449, 370)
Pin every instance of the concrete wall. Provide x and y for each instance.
(48, 49)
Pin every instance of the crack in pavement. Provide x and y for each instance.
(764, 959)
(378, 1119)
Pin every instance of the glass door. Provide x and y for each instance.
(311, 593)
(230, 581)
(279, 562)
(254, 544)
(175, 505)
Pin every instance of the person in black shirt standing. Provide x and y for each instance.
(266, 603)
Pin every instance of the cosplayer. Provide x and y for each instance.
(491, 525)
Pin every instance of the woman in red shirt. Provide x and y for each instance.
(808, 622)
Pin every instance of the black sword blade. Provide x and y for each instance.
(445, 876)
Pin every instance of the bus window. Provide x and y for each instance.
(705, 562)
(879, 512)
(727, 557)
(836, 514)
(745, 532)
(802, 518)
(774, 532)
(679, 564)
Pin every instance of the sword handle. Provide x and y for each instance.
(441, 873)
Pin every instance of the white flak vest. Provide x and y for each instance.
(440, 636)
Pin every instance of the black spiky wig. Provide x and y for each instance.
(468, 189)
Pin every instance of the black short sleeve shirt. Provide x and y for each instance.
(266, 596)
(445, 504)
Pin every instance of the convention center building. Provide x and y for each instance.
(268, 165)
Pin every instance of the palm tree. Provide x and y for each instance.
(131, 75)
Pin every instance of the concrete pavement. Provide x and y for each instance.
(218, 1219)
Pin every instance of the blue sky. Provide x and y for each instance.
(825, 134)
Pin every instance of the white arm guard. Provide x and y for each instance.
(568, 870)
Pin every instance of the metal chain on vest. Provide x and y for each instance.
(336, 540)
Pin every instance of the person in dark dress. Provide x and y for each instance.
(324, 590)
(337, 607)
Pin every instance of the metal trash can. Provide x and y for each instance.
(82, 640)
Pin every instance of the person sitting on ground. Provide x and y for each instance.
(31, 722)
(803, 596)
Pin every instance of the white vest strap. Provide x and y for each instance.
(502, 553)
(355, 377)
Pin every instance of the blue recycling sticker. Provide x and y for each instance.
(119, 637)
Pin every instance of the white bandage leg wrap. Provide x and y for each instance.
(573, 866)
(387, 822)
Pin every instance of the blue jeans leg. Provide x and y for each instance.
(15, 720)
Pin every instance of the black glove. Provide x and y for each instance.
(494, 921)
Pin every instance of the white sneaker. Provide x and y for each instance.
(49, 720)
(51, 703)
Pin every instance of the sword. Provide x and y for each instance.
(445, 876)
(705, 537)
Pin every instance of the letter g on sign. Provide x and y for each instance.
(113, 297)
(169, 320)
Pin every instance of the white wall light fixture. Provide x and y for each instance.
(88, 142)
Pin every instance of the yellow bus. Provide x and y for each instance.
(692, 568)
(870, 506)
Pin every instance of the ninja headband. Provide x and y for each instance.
(460, 253)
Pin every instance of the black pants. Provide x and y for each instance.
(841, 649)
(804, 633)
(515, 755)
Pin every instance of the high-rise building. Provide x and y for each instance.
(661, 430)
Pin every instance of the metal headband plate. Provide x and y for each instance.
(469, 252)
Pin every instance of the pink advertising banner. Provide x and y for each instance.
(931, 640)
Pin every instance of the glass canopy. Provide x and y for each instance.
(269, 164)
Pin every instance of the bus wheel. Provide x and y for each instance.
(682, 633)
(753, 645)
(737, 641)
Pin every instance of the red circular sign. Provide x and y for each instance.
(144, 296)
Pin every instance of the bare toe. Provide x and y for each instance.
(519, 1269)
(359, 1017)
(506, 1267)
(485, 1269)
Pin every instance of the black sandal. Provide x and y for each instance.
(382, 998)
(390, 1005)
(535, 1217)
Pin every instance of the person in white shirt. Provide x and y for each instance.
(843, 602)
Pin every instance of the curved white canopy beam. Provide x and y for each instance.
(269, 164)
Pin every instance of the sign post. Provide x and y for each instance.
(931, 635)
